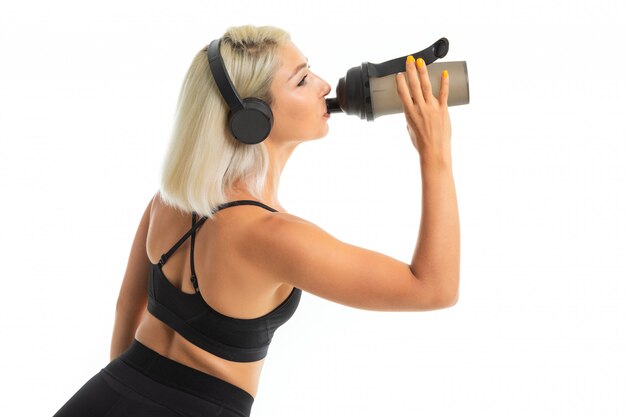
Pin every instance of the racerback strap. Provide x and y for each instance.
(192, 232)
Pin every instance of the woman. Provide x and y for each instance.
(195, 316)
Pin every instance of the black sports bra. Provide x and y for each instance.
(234, 339)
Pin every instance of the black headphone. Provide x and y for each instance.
(251, 119)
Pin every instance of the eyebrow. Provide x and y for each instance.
(298, 68)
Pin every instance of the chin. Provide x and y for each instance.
(324, 131)
(320, 136)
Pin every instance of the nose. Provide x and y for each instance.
(327, 87)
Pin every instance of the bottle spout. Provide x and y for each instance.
(332, 105)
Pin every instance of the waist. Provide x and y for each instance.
(183, 377)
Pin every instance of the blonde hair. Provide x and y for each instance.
(203, 158)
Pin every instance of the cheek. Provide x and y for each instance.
(298, 106)
(293, 111)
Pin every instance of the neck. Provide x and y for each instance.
(279, 155)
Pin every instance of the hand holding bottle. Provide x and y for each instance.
(428, 120)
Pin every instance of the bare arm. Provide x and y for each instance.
(300, 253)
(133, 296)
(438, 250)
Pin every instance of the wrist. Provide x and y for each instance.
(436, 161)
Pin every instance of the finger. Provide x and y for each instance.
(403, 91)
(444, 90)
(414, 82)
(424, 80)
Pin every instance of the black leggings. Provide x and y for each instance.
(141, 382)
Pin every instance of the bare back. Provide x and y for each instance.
(228, 282)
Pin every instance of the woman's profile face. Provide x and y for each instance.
(299, 104)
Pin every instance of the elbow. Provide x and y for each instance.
(121, 305)
(446, 302)
(437, 295)
(453, 300)
(449, 297)
(125, 306)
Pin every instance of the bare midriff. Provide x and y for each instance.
(159, 337)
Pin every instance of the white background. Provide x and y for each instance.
(87, 98)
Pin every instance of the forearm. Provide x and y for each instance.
(437, 253)
(127, 320)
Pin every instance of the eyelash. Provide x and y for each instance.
(301, 83)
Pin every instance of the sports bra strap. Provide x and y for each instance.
(196, 225)
(246, 202)
(194, 279)
(169, 253)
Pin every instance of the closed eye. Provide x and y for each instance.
(302, 82)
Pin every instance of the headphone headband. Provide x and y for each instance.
(251, 119)
(222, 79)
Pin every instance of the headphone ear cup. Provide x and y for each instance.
(253, 123)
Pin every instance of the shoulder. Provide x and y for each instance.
(273, 241)
(274, 225)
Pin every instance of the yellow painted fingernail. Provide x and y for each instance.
(445, 73)
(410, 59)
(420, 62)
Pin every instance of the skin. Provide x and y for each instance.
(252, 258)
(298, 111)
(228, 282)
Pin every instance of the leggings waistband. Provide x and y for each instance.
(182, 377)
